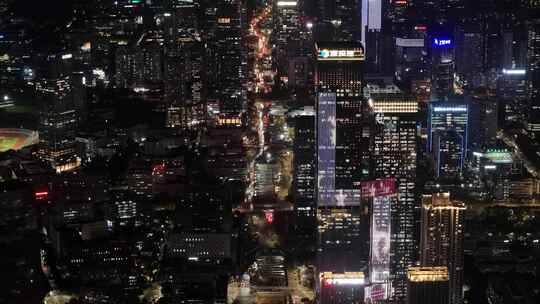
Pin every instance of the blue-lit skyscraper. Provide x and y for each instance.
(443, 66)
(448, 136)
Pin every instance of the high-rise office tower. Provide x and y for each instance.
(59, 119)
(305, 151)
(342, 135)
(395, 156)
(138, 65)
(441, 242)
(381, 196)
(448, 127)
(371, 25)
(483, 117)
(300, 64)
(448, 154)
(410, 58)
(230, 65)
(286, 30)
(443, 66)
(184, 65)
(427, 285)
(470, 53)
(286, 22)
(533, 76)
(185, 84)
(371, 18)
(344, 17)
(343, 142)
(513, 93)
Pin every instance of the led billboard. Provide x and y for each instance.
(326, 145)
(442, 42)
(376, 292)
(405, 42)
(380, 239)
(340, 54)
(327, 193)
(381, 192)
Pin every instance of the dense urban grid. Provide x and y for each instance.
(270, 151)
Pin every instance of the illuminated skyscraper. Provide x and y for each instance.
(59, 119)
(381, 197)
(229, 73)
(139, 64)
(305, 150)
(533, 76)
(395, 156)
(441, 242)
(427, 285)
(371, 17)
(184, 65)
(443, 66)
(448, 136)
(287, 30)
(513, 93)
(342, 138)
(470, 53)
(448, 154)
(287, 22)
(410, 58)
(184, 84)
(343, 141)
(371, 26)
(344, 16)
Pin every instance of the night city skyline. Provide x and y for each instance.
(270, 151)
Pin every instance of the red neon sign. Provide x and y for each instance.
(40, 195)
(379, 187)
(269, 216)
(158, 169)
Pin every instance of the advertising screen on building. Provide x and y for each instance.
(326, 142)
(376, 292)
(442, 42)
(340, 54)
(327, 194)
(405, 42)
(381, 192)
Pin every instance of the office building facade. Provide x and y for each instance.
(305, 151)
(343, 141)
(59, 119)
(533, 76)
(448, 124)
(395, 155)
(427, 285)
(443, 66)
(441, 242)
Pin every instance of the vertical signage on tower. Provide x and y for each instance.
(381, 192)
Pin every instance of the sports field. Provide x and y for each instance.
(15, 139)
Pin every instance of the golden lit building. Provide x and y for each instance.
(441, 241)
(427, 285)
